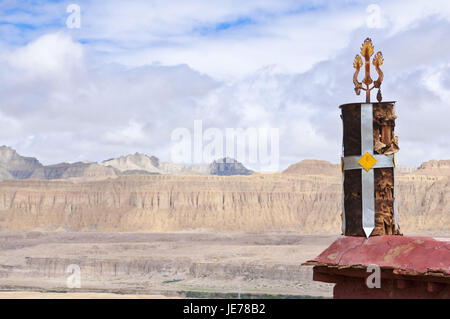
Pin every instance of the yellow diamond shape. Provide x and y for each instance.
(367, 161)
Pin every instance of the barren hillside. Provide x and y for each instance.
(259, 202)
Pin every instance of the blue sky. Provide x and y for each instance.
(136, 70)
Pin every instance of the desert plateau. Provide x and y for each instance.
(153, 233)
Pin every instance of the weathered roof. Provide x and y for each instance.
(404, 255)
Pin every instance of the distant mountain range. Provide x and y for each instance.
(306, 197)
(141, 193)
(319, 167)
(15, 166)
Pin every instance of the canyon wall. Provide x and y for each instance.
(161, 203)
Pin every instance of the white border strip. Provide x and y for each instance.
(367, 177)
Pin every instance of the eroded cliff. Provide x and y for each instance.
(306, 203)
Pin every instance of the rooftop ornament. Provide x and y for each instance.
(406, 267)
(367, 50)
(368, 161)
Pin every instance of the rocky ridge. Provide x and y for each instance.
(306, 198)
(15, 166)
(165, 203)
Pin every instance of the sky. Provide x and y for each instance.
(130, 73)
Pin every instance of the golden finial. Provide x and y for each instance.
(367, 50)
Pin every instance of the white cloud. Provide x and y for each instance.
(135, 72)
(51, 53)
(131, 134)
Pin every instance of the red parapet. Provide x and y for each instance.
(411, 267)
(406, 255)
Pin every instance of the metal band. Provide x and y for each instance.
(383, 161)
(368, 179)
(395, 203)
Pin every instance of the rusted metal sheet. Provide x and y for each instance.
(403, 255)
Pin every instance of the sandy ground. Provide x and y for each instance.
(185, 264)
(160, 265)
(73, 295)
